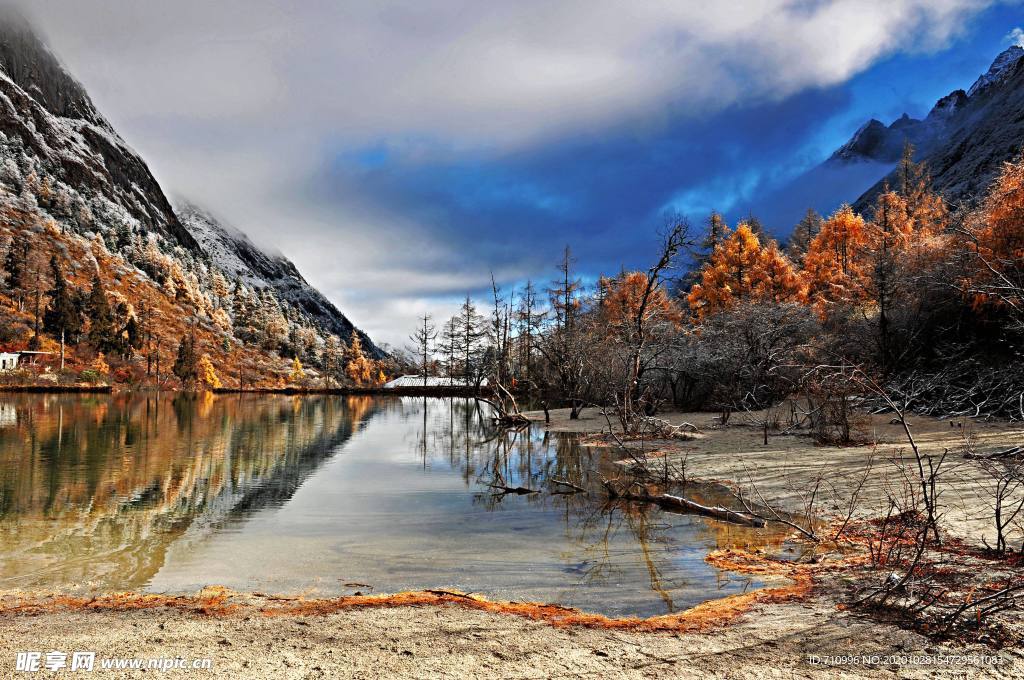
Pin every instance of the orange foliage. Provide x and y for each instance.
(625, 295)
(832, 269)
(1002, 237)
(740, 269)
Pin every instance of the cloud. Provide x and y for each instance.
(1016, 37)
(247, 106)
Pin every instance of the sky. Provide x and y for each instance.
(399, 152)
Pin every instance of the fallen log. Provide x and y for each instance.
(1009, 453)
(686, 505)
(519, 490)
(572, 486)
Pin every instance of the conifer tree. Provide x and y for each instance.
(297, 374)
(206, 374)
(62, 317)
(800, 240)
(15, 264)
(185, 363)
(101, 318)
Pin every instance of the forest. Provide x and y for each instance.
(918, 299)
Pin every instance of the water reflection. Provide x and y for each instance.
(307, 494)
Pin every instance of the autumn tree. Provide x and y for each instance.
(636, 307)
(297, 374)
(993, 240)
(206, 374)
(924, 208)
(741, 270)
(833, 268)
(360, 368)
(883, 258)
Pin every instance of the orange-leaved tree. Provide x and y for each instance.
(995, 245)
(740, 269)
(833, 268)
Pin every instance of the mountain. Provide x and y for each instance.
(67, 173)
(239, 258)
(973, 133)
(964, 139)
(47, 113)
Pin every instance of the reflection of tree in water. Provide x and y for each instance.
(611, 537)
(98, 487)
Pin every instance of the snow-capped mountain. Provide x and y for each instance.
(964, 139)
(239, 258)
(60, 154)
(1000, 70)
(46, 115)
(973, 133)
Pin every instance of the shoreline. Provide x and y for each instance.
(776, 630)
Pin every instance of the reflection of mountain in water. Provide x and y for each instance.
(95, 489)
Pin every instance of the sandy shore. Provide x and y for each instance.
(770, 641)
(787, 468)
(767, 640)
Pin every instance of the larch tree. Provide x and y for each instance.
(884, 254)
(833, 268)
(296, 375)
(35, 287)
(741, 270)
(995, 246)
(360, 368)
(206, 374)
(806, 230)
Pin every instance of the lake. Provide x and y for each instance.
(329, 495)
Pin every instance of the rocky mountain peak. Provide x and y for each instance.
(1000, 69)
(27, 61)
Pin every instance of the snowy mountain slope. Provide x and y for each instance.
(964, 139)
(239, 258)
(47, 117)
(985, 130)
(58, 151)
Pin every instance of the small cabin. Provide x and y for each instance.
(9, 360)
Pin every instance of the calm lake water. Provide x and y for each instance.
(328, 495)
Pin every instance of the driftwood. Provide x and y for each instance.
(686, 505)
(574, 487)
(1009, 453)
(519, 490)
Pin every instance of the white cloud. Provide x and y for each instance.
(235, 102)
(1016, 37)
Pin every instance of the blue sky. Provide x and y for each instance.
(399, 152)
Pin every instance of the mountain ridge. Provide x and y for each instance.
(61, 156)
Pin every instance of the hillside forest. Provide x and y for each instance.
(111, 302)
